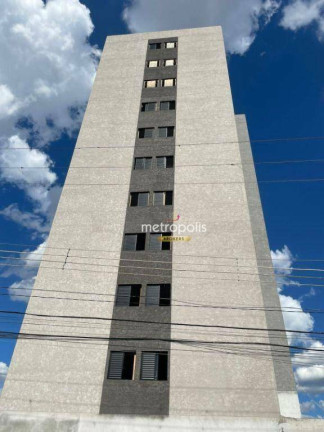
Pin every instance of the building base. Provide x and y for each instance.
(24, 422)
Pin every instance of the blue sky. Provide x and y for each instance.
(276, 64)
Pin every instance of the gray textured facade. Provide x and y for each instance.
(213, 183)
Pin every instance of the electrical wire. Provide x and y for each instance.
(171, 142)
(162, 323)
(152, 261)
(67, 167)
(180, 255)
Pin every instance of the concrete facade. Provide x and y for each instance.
(222, 267)
(26, 422)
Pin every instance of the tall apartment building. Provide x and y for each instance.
(151, 327)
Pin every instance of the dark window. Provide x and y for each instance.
(166, 132)
(128, 295)
(164, 161)
(154, 366)
(121, 365)
(170, 44)
(163, 198)
(157, 243)
(158, 295)
(134, 242)
(143, 163)
(167, 105)
(139, 199)
(154, 46)
(170, 62)
(145, 132)
(148, 106)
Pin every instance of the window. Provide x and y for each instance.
(139, 199)
(153, 63)
(166, 132)
(148, 106)
(170, 62)
(164, 161)
(121, 365)
(154, 366)
(150, 83)
(163, 198)
(154, 46)
(157, 243)
(143, 163)
(128, 295)
(167, 105)
(134, 242)
(145, 133)
(170, 82)
(158, 295)
(170, 44)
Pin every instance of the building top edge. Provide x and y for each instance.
(169, 33)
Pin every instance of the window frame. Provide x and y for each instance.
(147, 163)
(156, 371)
(152, 67)
(171, 47)
(166, 60)
(165, 246)
(133, 299)
(157, 45)
(122, 366)
(174, 82)
(168, 129)
(135, 199)
(142, 242)
(166, 196)
(145, 104)
(140, 130)
(149, 86)
(161, 301)
(170, 103)
(167, 160)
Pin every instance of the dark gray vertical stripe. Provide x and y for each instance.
(146, 397)
(283, 370)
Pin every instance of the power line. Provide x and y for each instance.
(294, 348)
(276, 162)
(163, 323)
(174, 303)
(155, 274)
(155, 262)
(209, 183)
(180, 255)
(139, 144)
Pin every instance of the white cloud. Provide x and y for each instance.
(26, 270)
(36, 181)
(297, 320)
(3, 373)
(309, 366)
(31, 221)
(47, 65)
(310, 377)
(282, 260)
(301, 13)
(46, 74)
(240, 19)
